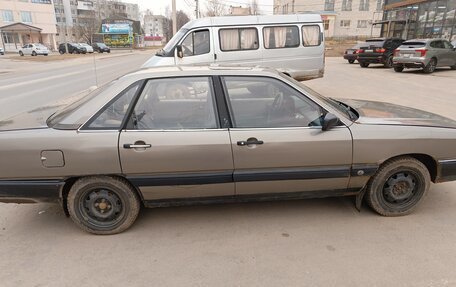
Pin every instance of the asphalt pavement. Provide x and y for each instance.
(319, 242)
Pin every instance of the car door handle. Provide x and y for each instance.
(249, 142)
(127, 146)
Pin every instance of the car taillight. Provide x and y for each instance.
(381, 50)
(422, 52)
(397, 52)
(359, 51)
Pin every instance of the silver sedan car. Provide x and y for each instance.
(427, 54)
(174, 136)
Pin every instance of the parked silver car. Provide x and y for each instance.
(2, 52)
(34, 49)
(197, 135)
(427, 54)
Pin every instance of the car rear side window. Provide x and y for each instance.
(281, 37)
(238, 39)
(311, 35)
(261, 102)
(175, 104)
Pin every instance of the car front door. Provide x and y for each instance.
(278, 143)
(197, 48)
(173, 145)
(26, 50)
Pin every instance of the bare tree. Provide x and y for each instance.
(254, 9)
(84, 30)
(215, 8)
(181, 17)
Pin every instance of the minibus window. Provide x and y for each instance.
(281, 37)
(196, 43)
(238, 39)
(311, 35)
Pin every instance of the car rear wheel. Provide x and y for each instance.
(398, 69)
(103, 205)
(398, 187)
(61, 52)
(389, 62)
(351, 61)
(363, 65)
(430, 67)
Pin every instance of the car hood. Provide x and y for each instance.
(381, 113)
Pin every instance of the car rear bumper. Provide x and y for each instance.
(30, 191)
(446, 170)
(350, 57)
(372, 59)
(409, 62)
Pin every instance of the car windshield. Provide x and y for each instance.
(172, 43)
(350, 112)
(413, 44)
(101, 45)
(80, 100)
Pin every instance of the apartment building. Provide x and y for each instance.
(26, 21)
(132, 11)
(341, 18)
(156, 25)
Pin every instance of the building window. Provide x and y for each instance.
(329, 5)
(362, 23)
(379, 5)
(345, 23)
(326, 24)
(346, 5)
(10, 38)
(26, 16)
(364, 5)
(7, 16)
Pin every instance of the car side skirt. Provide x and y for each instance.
(30, 191)
(249, 198)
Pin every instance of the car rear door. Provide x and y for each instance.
(174, 146)
(278, 143)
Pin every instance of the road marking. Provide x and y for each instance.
(5, 87)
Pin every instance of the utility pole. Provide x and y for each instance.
(174, 17)
(197, 9)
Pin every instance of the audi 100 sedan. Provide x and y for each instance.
(196, 135)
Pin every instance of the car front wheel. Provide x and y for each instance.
(351, 61)
(398, 186)
(103, 205)
(389, 62)
(21, 54)
(363, 65)
(430, 67)
(398, 69)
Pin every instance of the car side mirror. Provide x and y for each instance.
(329, 121)
(179, 51)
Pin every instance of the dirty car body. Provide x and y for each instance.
(193, 135)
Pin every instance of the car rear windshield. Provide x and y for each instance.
(374, 43)
(359, 45)
(413, 44)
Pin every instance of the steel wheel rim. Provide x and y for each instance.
(102, 208)
(402, 189)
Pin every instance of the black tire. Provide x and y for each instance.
(61, 52)
(398, 186)
(21, 54)
(389, 62)
(398, 69)
(109, 51)
(453, 67)
(351, 61)
(33, 53)
(103, 205)
(363, 65)
(430, 67)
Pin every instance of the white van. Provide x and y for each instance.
(293, 44)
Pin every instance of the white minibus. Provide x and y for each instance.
(292, 44)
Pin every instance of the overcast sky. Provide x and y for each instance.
(159, 6)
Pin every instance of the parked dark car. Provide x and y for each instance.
(378, 51)
(72, 48)
(351, 54)
(101, 47)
